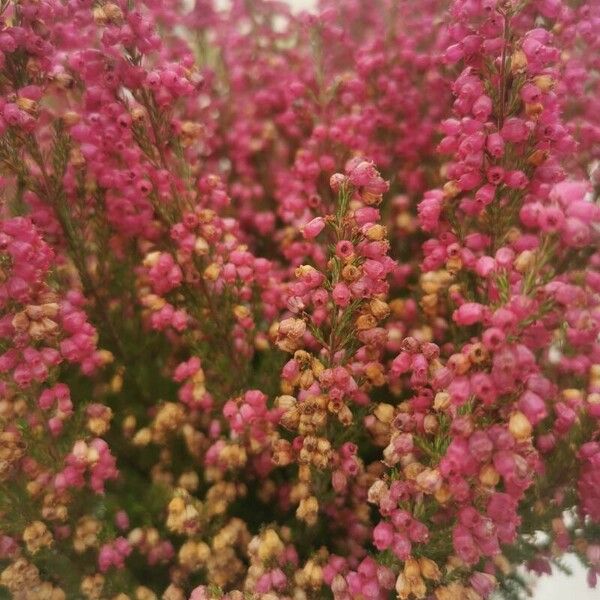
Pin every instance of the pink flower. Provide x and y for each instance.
(312, 229)
(341, 295)
(469, 313)
(383, 535)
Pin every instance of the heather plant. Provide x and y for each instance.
(298, 306)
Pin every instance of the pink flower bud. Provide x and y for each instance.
(469, 314)
(383, 535)
(312, 229)
(495, 145)
(515, 130)
(485, 194)
(482, 108)
(341, 295)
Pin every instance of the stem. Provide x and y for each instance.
(503, 74)
(54, 192)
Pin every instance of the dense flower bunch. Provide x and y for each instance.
(298, 305)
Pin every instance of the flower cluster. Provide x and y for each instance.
(298, 305)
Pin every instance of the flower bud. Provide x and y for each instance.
(519, 426)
